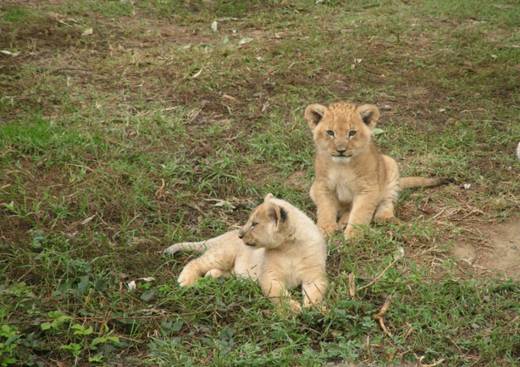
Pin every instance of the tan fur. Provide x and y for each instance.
(279, 246)
(354, 181)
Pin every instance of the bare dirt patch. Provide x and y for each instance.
(298, 181)
(492, 250)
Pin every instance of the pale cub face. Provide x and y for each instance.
(266, 226)
(341, 130)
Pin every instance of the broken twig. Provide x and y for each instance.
(351, 285)
(380, 275)
(380, 316)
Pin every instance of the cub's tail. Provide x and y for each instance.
(187, 246)
(202, 246)
(409, 182)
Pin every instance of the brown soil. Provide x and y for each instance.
(492, 250)
(298, 181)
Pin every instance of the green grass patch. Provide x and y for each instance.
(16, 14)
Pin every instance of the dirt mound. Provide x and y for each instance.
(493, 249)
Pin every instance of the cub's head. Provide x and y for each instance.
(341, 130)
(267, 226)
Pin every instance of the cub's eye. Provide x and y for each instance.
(352, 133)
(253, 225)
(330, 133)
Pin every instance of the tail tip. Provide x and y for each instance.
(446, 180)
(170, 251)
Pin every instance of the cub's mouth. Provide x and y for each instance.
(249, 244)
(340, 156)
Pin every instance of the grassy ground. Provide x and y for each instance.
(126, 126)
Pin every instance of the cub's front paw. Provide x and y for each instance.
(288, 306)
(381, 219)
(295, 306)
(186, 279)
(351, 233)
(328, 229)
(320, 307)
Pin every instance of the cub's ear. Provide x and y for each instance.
(313, 114)
(370, 114)
(278, 214)
(268, 197)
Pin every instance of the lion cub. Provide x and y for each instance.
(354, 181)
(279, 246)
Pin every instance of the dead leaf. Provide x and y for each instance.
(245, 40)
(430, 364)
(87, 220)
(136, 241)
(159, 193)
(197, 74)
(87, 32)
(214, 26)
(9, 53)
(351, 285)
(228, 97)
(399, 253)
(219, 203)
(132, 285)
(147, 279)
(196, 207)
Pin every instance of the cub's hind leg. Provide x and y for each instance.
(385, 212)
(385, 209)
(217, 273)
(216, 261)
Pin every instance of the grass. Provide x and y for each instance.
(113, 145)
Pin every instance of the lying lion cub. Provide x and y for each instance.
(354, 181)
(279, 246)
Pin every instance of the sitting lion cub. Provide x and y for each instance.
(354, 181)
(279, 246)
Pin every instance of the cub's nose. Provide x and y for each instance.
(241, 234)
(341, 150)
